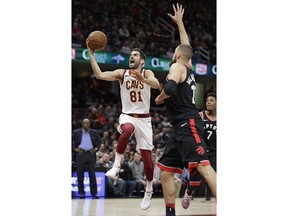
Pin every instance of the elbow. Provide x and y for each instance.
(170, 88)
(157, 86)
(169, 92)
(97, 76)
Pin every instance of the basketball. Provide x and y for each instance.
(97, 40)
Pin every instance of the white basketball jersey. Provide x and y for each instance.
(135, 95)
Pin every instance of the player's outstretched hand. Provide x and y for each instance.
(88, 48)
(158, 102)
(137, 76)
(178, 13)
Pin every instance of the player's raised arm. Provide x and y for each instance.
(178, 19)
(107, 75)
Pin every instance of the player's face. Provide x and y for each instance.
(174, 57)
(134, 60)
(211, 103)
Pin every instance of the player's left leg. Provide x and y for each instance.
(149, 169)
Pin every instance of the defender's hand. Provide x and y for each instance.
(178, 13)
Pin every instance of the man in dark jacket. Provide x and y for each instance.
(85, 142)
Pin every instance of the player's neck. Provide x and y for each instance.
(180, 61)
(138, 70)
(212, 113)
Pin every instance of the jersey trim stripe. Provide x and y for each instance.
(194, 131)
(169, 169)
(122, 77)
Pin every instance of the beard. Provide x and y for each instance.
(172, 62)
(136, 64)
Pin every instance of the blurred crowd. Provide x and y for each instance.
(130, 23)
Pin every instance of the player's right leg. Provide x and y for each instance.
(127, 130)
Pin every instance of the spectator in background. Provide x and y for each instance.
(169, 53)
(196, 57)
(125, 173)
(127, 153)
(124, 32)
(106, 140)
(125, 47)
(102, 150)
(114, 147)
(131, 156)
(101, 119)
(158, 151)
(115, 187)
(110, 126)
(106, 17)
(85, 142)
(137, 168)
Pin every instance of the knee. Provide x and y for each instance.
(127, 130)
(205, 171)
(178, 182)
(165, 176)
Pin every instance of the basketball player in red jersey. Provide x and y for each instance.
(209, 117)
(135, 90)
(186, 147)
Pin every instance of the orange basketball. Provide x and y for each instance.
(97, 40)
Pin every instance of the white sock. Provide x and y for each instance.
(149, 186)
(117, 159)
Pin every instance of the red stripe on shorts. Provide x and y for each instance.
(195, 183)
(205, 162)
(169, 169)
(194, 131)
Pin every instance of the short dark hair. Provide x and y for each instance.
(212, 94)
(142, 54)
(186, 50)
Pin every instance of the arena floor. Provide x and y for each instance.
(131, 207)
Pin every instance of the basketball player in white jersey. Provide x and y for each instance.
(135, 89)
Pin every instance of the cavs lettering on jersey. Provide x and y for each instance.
(182, 105)
(210, 129)
(135, 95)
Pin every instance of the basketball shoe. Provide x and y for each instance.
(113, 172)
(186, 200)
(146, 201)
